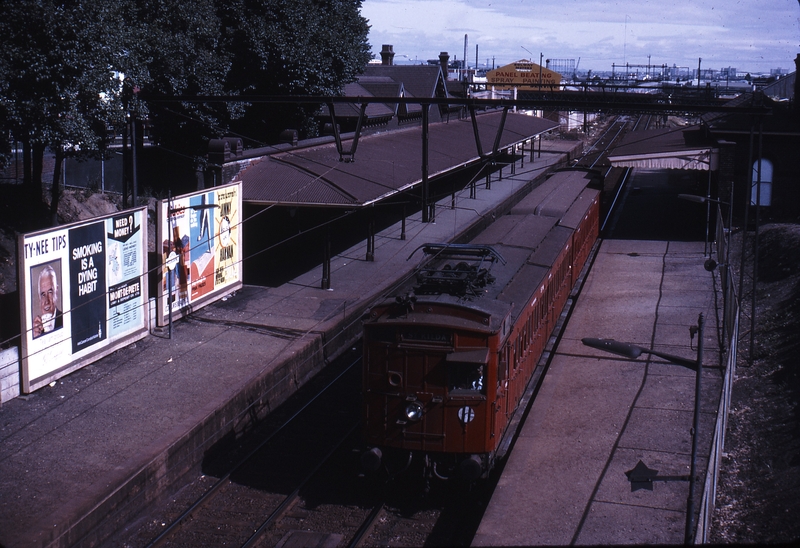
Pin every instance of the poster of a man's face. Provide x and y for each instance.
(47, 316)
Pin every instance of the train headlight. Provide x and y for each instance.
(414, 411)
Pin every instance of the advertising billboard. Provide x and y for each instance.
(200, 241)
(83, 293)
(522, 75)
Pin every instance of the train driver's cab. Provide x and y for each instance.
(466, 372)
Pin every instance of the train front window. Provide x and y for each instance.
(465, 378)
(466, 371)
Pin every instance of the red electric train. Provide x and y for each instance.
(447, 358)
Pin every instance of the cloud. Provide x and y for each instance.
(740, 33)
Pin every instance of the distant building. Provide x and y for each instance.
(774, 139)
(392, 81)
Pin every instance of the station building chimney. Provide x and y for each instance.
(387, 54)
(444, 59)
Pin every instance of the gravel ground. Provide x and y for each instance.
(758, 496)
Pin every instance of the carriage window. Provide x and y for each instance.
(466, 371)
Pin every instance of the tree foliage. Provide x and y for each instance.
(291, 47)
(57, 88)
(71, 68)
(175, 50)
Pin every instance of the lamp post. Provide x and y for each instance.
(632, 351)
(710, 264)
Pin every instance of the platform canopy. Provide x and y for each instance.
(384, 164)
(673, 148)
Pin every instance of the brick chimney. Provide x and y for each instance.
(444, 59)
(387, 54)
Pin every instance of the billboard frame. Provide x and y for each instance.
(87, 273)
(193, 276)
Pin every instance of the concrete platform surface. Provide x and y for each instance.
(597, 415)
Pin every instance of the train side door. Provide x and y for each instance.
(501, 403)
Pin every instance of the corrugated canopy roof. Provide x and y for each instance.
(665, 149)
(385, 163)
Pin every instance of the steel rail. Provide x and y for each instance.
(224, 480)
(367, 525)
(294, 495)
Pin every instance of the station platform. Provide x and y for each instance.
(84, 456)
(598, 415)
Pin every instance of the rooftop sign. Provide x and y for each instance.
(522, 75)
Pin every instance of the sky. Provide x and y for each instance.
(749, 35)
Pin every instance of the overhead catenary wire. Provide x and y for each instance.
(461, 195)
(484, 166)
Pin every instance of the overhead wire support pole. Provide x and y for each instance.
(746, 202)
(500, 128)
(426, 215)
(335, 128)
(134, 176)
(755, 243)
(690, 522)
(475, 130)
(361, 116)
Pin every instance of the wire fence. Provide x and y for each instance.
(729, 347)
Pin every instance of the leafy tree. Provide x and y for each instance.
(71, 68)
(58, 89)
(175, 50)
(290, 47)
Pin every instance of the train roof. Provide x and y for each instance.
(525, 231)
(499, 270)
(574, 215)
(554, 196)
(519, 289)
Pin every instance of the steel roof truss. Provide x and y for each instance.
(349, 156)
(497, 137)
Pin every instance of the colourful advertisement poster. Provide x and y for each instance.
(82, 294)
(228, 245)
(125, 256)
(200, 249)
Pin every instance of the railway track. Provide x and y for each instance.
(298, 484)
(596, 155)
(295, 479)
(250, 488)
